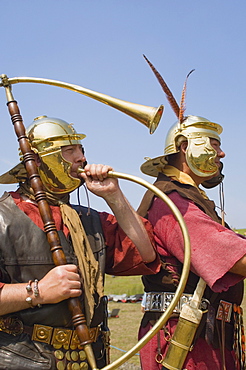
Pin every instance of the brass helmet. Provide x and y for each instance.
(197, 131)
(47, 136)
(200, 154)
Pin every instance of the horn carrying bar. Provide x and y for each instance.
(149, 116)
(185, 272)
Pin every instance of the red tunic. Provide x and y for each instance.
(122, 256)
(208, 238)
(215, 244)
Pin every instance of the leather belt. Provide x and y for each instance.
(60, 337)
(57, 337)
(159, 301)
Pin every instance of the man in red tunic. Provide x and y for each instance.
(36, 331)
(192, 158)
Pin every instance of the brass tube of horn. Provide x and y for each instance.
(149, 116)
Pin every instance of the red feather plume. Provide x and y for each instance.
(165, 88)
(183, 96)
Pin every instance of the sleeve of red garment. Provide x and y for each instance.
(214, 248)
(1, 285)
(122, 256)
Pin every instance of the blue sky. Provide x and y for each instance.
(99, 44)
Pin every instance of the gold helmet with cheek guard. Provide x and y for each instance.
(47, 136)
(197, 131)
(200, 155)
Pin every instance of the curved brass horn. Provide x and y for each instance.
(185, 272)
(149, 116)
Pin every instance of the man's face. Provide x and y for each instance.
(220, 154)
(75, 155)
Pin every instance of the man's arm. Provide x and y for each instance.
(97, 182)
(240, 266)
(215, 250)
(60, 283)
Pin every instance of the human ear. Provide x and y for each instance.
(183, 146)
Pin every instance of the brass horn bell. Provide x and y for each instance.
(149, 116)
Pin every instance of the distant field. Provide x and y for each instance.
(240, 231)
(124, 329)
(129, 285)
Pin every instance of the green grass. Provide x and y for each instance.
(240, 231)
(129, 285)
(124, 329)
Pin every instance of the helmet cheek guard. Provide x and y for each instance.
(200, 157)
(54, 172)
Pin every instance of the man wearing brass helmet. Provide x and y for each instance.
(192, 157)
(36, 331)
